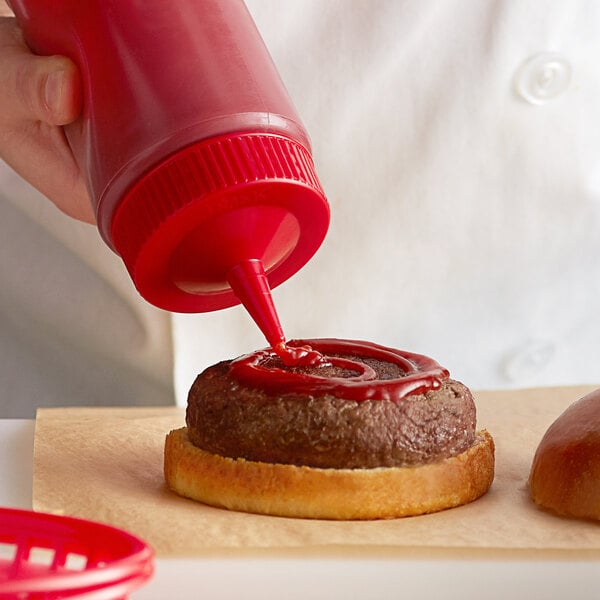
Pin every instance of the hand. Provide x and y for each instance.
(37, 96)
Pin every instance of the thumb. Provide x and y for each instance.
(57, 97)
(37, 88)
(47, 89)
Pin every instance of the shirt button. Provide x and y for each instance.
(529, 360)
(543, 77)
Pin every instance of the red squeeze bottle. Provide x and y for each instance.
(197, 164)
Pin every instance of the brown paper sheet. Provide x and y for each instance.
(105, 464)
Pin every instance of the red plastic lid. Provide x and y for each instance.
(217, 204)
(48, 556)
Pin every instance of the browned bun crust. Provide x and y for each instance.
(565, 473)
(344, 494)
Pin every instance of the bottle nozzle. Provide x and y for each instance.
(249, 283)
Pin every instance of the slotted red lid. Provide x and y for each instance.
(109, 562)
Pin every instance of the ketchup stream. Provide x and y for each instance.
(250, 284)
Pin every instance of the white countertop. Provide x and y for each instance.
(327, 576)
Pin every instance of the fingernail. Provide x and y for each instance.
(54, 90)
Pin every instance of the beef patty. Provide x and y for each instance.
(230, 419)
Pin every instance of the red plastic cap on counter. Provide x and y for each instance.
(214, 205)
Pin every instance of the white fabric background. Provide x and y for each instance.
(73, 330)
(465, 219)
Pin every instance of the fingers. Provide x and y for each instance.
(47, 89)
(40, 154)
(38, 95)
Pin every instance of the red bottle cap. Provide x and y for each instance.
(214, 205)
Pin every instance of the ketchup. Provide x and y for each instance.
(250, 284)
(420, 373)
(299, 356)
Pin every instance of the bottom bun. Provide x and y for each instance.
(343, 494)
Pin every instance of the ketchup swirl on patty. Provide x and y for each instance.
(266, 370)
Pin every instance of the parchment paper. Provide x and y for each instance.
(105, 464)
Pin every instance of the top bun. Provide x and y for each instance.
(565, 474)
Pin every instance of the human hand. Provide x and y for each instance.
(37, 96)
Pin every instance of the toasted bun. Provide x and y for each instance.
(292, 491)
(565, 474)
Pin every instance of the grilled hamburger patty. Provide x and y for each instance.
(233, 420)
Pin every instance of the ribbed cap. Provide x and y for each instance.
(215, 204)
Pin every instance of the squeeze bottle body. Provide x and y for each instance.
(195, 158)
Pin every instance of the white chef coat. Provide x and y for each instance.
(459, 144)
